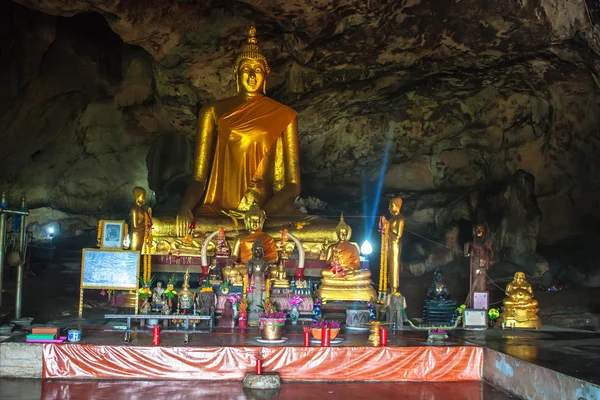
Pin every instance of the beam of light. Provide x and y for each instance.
(50, 230)
(372, 214)
(366, 248)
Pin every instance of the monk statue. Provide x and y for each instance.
(395, 229)
(482, 257)
(520, 308)
(345, 280)
(247, 151)
(139, 219)
(254, 220)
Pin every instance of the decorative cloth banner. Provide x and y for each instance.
(439, 364)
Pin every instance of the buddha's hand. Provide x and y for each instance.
(184, 219)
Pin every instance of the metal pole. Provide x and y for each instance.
(2, 239)
(23, 254)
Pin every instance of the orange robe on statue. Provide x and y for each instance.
(348, 255)
(269, 247)
(249, 146)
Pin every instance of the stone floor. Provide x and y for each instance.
(95, 390)
(573, 353)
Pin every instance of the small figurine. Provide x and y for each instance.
(395, 310)
(520, 308)
(280, 281)
(186, 296)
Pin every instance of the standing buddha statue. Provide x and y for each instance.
(140, 219)
(351, 283)
(395, 229)
(482, 257)
(520, 308)
(257, 266)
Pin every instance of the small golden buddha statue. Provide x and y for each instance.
(351, 283)
(520, 309)
(281, 281)
(247, 152)
(254, 220)
(139, 219)
(234, 274)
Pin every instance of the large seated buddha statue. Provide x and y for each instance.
(345, 280)
(520, 308)
(255, 160)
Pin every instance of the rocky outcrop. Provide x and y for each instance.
(445, 97)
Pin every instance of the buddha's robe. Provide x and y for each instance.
(268, 243)
(347, 254)
(250, 156)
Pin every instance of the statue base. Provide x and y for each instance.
(348, 293)
(510, 323)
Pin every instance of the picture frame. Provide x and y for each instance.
(111, 234)
(481, 300)
(475, 319)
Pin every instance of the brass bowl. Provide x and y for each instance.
(271, 331)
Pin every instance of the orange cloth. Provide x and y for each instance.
(436, 363)
(269, 246)
(245, 155)
(348, 255)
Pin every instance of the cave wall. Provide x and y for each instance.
(460, 95)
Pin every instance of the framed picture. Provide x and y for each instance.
(481, 300)
(475, 319)
(111, 234)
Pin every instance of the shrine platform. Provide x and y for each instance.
(527, 364)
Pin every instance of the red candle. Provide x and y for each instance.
(259, 366)
(156, 335)
(383, 336)
(325, 337)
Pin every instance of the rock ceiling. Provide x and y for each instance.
(459, 93)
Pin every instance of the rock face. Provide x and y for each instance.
(444, 97)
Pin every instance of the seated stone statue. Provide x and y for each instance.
(351, 283)
(254, 220)
(520, 308)
(256, 160)
(439, 309)
(158, 294)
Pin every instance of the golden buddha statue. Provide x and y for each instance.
(395, 229)
(255, 160)
(351, 283)
(139, 219)
(280, 281)
(520, 309)
(254, 220)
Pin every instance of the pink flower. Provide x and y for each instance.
(295, 300)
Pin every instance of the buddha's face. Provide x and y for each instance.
(479, 231)
(140, 200)
(251, 76)
(519, 277)
(254, 223)
(159, 285)
(343, 234)
(394, 208)
(258, 251)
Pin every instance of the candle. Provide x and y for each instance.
(306, 336)
(259, 366)
(383, 336)
(325, 337)
(156, 335)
